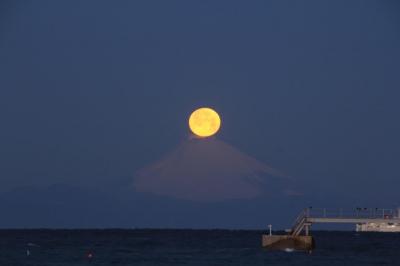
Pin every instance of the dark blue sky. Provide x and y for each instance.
(92, 91)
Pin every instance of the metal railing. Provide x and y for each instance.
(357, 213)
(299, 222)
(368, 213)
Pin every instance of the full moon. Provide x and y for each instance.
(204, 122)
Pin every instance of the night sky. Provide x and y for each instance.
(93, 91)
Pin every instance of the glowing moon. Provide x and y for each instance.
(204, 122)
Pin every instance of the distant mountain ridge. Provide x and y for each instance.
(210, 170)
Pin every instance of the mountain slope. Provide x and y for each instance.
(208, 170)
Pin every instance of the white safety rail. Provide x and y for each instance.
(310, 215)
(370, 213)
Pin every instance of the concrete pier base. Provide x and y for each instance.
(282, 242)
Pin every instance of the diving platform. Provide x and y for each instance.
(299, 237)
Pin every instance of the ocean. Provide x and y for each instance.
(188, 247)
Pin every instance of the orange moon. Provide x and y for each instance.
(204, 122)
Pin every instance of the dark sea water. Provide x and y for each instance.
(188, 247)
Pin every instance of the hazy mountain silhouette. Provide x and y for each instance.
(210, 170)
(68, 206)
(58, 205)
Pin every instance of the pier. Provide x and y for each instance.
(299, 237)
